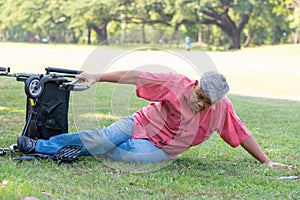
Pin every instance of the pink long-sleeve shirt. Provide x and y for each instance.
(170, 123)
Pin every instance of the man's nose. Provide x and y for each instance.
(201, 103)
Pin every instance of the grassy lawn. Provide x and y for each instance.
(212, 170)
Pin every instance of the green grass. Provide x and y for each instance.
(212, 170)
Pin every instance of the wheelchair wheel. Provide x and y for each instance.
(2, 152)
(31, 87)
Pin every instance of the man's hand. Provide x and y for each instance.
(90, 78)
(254, 149)
(276, 164)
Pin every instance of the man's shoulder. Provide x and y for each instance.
(223, 105)
(224, 101)
(168, 76)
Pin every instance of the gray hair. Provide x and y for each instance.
(214, 86)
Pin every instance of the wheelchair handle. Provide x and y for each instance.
(72, 86)
(61, 70)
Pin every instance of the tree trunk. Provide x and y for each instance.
(234, 38)
(249, 38)
(274, 35)
(175, 33)
(143, 36)
(105, 42)
(89, 36)
(221, 39)
(229, 27)
(74, 38)
(101, 33)
(247, 42)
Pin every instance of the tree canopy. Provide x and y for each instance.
(226, 23)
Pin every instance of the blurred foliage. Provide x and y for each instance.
(222, 23)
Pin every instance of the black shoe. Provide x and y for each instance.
(26, 144)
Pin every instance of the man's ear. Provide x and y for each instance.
(196, 82)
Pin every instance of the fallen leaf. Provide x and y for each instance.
(4, 183)
(30, 198)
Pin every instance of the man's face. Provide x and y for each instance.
(198, 101)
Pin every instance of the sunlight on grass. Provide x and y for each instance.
(100, 116)
(11, 110)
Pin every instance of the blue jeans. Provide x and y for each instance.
(113, 142)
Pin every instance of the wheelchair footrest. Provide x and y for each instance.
(67, 154)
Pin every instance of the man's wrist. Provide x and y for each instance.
(267, 161)
(98, 77)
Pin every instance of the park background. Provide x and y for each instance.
(254, 43)
(224, 24)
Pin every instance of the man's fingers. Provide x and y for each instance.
(275, 164)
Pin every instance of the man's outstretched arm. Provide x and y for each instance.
(124, 77)
(254, 149)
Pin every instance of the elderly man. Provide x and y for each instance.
(182, 113)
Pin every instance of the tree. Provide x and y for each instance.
(183, 15)
(221, 14)
(24, 19)
(260, 23)
(293, 8)
(297, 20)
(240, 21)
(146, 13)
(95, 15)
